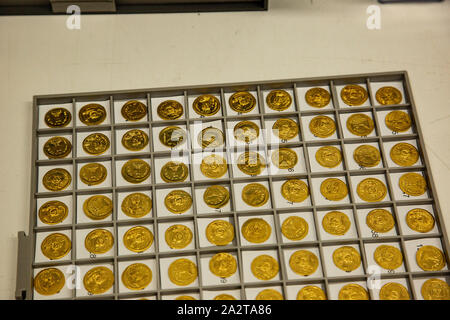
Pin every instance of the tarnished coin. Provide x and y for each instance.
(398, 121)
(336, 223)
(303, 262)
(138, 239)
(278, 100)
(174, 171)
(178, 201)
(57, 118)
(98, 280)
(367, 156)
(328, 156)
(256, 230)
(413, 184)
(133, 110)
(394, 291)
(269, 294)
(255, 194)
(57, 147)
(388, 95)
(430, 258)
(136, 170)
(136, 205)
(97, 207)
(404, 154)
(137, 276)
(220, 232)
(224, 296)
(178, 236)
(285, 129)
(420, 220)
(311, 293)
(295, 190)
(93, 173)
(353, 291)
(211, 138)
(354, 95)
(435, 289)
(388, 257)
(251, 163)
(182, 272)
(242, 102)
(53, 212)
(56, 179)
(96, 143)
(322, 126)
(317, 97)
(216, 196)
(135, 140)
(49, 281)
(56, 246)
(333, 189)
(99, 241)
(360, 124)
(380, 220)
(223, 265)
(294, 228)
(246, 131)
(346, 258)
(264, 267)
(206, 105)
(284, 158)
(214, 166)
(92, 114)
(172, 136)
(170, 110)
(185, 298)
(371, 190)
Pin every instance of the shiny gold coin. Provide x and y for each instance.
(57, 118)
(174, 171)
(430, 258)
(178, 236)
(256, 230)
(246, 131)
(242, 102)
(223, 265)
(98, 207)
(295, 190)
(322, 126)
(336, 223)
(53, 212)
(96, 143)
(56, 179)
(135, 140)
(49, 281)
(92, 114)
(420, 220)
(178, 201)
(206, 105)
(57, 147)
(367, 156)
(303, 262)
(353, 291)
(136, 170)
(380, 220)
(435, 289)
(170, 110)
(354, 95)
(328, 156)
(413, 184)
(311, 293)
(136, 205)
(398, 121)
(224, 296)
(404, 154)
(137, 276)
(98, 280)
(172, 136)
(317, 97)
(269, 294)
(138, 239)
(185, 298)
(394, 291)
(255, 194)
(333, 189)
(216, 196)
(284, 158)
(220, 232)
(388, 257)
(213, 166)
(285, 129)
(294, 228)
(251, 163)
(182, 272)
(93, 173)
(264, 267)
(371, 190)
(133, 110)
(388, 95)
(211, 138)
(346, 258)
(56, 246)
(278, 100)
(99, 241)
(360, 124)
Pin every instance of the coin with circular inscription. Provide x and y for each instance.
(92, 114)
(380, 220)
(185, 298)
(413, 184)
(216, 196)
(182, 272)
(328, 156)
(285, 129)
(251, 163)
(311, 293)
(220, 232)
(388, 257)
(96, 143)
(214, 166)
(284, 158)
(404, 154)
(242, 102)
(278, 100)
(224, 297)
(246, 131)
(336, 223)
(394, 291)
(333, 189)
(178, 236)
(53, 212)
(136, 170)
(256, 230)
(57, 147)
(174, 171)
(269, 294)
(295, 190)
(133, 110)
(56, 179)
(353, 291)
(138, 239)
(135, 140)
(346, 258)
(420, 220)
(211, 138)
(98, 280)
(49, 281)
(294, 228)
(137, 276)
(367, 156)
(98, 207)
(303, 262)
(435, 289)
(57, 118)
(93, 174)
(360, 124)
(255, 194)
(178, 201)
(398, 121)
(223, 265)
(169, 110)
(172, 136)
(56, 246)
(371, 190)
(354, 95)
(264, 267)
(430, 258)
(322, 126)
(388, 95)
(317, 97)
(99, 241)
(206, 105)
(136, 205)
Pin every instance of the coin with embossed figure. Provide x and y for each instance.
(353, 291)
(333, 189)
(136, 205)
(182, 272)
(246, 131)
(53, 212)
(317, 97)
(223, 265)
(96, 143)
(420, 220)
(435, 289)
(99, 241)
(170, 110)
(178, 201)
(278, 100)
(294, 228)
(49, 281)
(311, 293)
(398, 121)
(255, 194)
(172, 136)
(93, 173)
(430, 258)
(178, 236)
(133, 110)
(251, 163)
(284, 158)
(206, 105)
(220, 232)
(367, 156)
(380, 220)
(303, 262)
(256, 230)
(214, 166)
(354, 95)
(57, 118)
(56, 246)
(136, 170)
(135, 140)
(92, 114)
(137, 276)
(264, 267)
(174, 171)
(346, 258)
(328, 156)
(56, 179)
(413, 184)
(57, 147)
(98, 280)
(322, 126)
(98, 207)
(388, 257)
(295, 190)
(242, 102)
(285, 129)
(211, 138)
(336, 223)
(394, 291)
(404, 154)
(388, 95)
(360, 124)
(269, 294)
(138, 239)
(216, 196)
(224, 296)
(371, 190)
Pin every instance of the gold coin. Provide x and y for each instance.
(137, 276)
(336, 223)
(96, 143)
(56, 179)
(216, 196)
(367, 156)
(278, 100)
(380, 220)
(269, 294)
(182, 272)
(346, 258)
(136, 170)
(138, 239)
(404, 154)
(388, 257)
(251, 163)
(92, 114)
(420, 220)
(97, 207)
(398, 121)
(328, 156)
(303, 262)
(354, 95)
(285, 129)
(133, 110)
(295, 190)
(360, 124)
(371, 190)
(220, 232)
(57, 147)
(242, 102)
(353, 291)
(264, 267)
(170, 110)
(98, 280)
(174, 171)
(178, 236)
(224, 297)
(206, 105)
(256, 230)
(430, 258)
(311, 293)
(394, 291)
(172, 136)
(246, 131)
(413, 184)
(55, 246)
(317, 97)
(135, 140)
(255, 194)
(214, 166)
(57, 118)
(49, 281)
(178, 201)
(53, 212)
(99, 241)
(185, 298)
(435, 289)
(284, 158)
(136, 205)
(211, 138)
(223, 265)
(294, 228)
(388, 95)
(93, 173)
(333, 189)
(322, 126)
